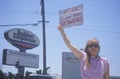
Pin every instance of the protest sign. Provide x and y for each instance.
(71, 16)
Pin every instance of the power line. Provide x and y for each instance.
(30, 24)
(96, 30)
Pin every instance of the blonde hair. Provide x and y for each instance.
(91, 41)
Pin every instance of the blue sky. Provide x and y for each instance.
(101, 20)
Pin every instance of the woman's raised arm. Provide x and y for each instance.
(75, 51)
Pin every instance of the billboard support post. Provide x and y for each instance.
(21, 68)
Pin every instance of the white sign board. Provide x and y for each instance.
(10, 57)
(70, 66)
(71, 16)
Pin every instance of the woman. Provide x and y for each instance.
(92, 65)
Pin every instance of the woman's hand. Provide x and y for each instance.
(60, 28)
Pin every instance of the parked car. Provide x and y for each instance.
(40, 76)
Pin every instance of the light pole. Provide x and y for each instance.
(44, 37)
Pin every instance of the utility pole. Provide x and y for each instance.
(44, 37)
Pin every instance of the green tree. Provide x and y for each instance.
(2, 75)
(27, 74)
(19, 76)
(39, 71)
(11, 75)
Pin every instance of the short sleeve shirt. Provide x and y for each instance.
(97, 68)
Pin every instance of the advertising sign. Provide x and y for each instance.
(22, 38)
(71, 16)
(70, 66)
(10, 57)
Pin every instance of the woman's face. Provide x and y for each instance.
(93, 48)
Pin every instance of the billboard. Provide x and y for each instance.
(70, 66)
(22, 38)
(10, 57)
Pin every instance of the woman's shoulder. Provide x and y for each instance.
(104, 59)
(83, 56)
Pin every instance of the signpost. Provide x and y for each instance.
(23, 40)
(71, 16)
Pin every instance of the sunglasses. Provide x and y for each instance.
(93, 45)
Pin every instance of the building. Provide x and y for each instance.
(114, 77)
